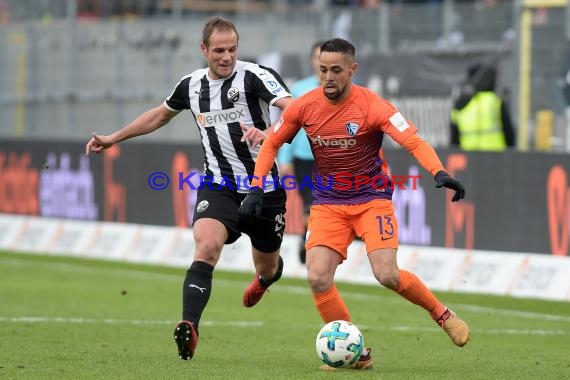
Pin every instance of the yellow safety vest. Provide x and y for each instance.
(479, 123)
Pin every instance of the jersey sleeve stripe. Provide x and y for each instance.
(180, 98)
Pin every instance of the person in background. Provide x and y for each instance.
(296, 159)
(480, 118)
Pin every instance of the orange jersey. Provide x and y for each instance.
(345, 139)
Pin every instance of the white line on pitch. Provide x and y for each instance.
(111, 321)
(248, 324)
(514, 313)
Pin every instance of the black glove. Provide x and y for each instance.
(442, 179)
(251, 205)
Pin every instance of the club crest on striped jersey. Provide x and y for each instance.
(233, 94)
(351, 128)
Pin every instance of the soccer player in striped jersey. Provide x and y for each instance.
(230, 102)
(345, 124)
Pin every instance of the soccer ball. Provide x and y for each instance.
(339, 344)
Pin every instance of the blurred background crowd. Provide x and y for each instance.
(70, 67)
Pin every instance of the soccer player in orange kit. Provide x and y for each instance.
(345, 124)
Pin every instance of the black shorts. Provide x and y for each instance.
(222, 204)
(304, 169)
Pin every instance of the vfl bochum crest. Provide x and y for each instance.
(351, 128)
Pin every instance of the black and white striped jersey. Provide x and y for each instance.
(219, 106)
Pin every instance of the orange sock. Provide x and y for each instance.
(414, 290)
(330, 305)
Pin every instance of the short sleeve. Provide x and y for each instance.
(180, 98)
(268, 85)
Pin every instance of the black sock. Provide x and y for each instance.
(196, 291)
(266, 283)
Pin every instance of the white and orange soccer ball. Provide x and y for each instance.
(339, 344)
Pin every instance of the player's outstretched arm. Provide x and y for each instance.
(428, 158)
(147, 122)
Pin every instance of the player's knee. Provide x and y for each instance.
(208, 250)
(388, 278)
(319, 282)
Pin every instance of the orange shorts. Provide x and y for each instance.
(336, 226)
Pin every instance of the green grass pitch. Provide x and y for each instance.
(70, 318)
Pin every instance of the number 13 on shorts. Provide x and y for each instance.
(386, 226)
